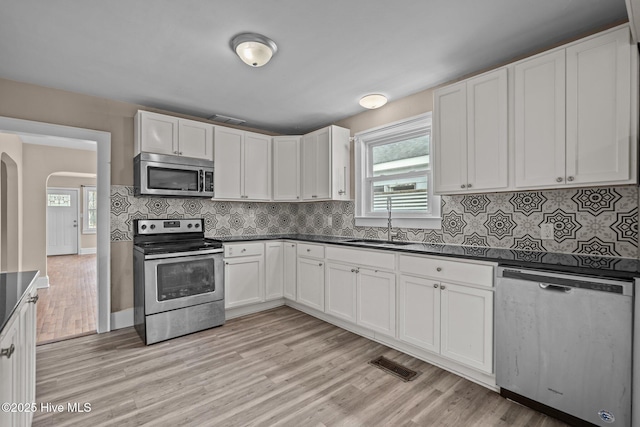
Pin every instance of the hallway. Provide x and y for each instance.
(68, 307)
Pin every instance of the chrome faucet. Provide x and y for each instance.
(390, 236)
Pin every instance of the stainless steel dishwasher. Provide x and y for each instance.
(565, 341)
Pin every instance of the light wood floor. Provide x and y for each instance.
(68, 307)
(279, 367)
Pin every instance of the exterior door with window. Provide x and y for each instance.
(62, 222)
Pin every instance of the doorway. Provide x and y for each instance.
(103, 253)
(62, 221)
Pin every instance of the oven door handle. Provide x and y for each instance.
(184, 254)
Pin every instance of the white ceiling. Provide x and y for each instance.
(175, 55)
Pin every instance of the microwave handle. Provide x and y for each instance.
(201, 180)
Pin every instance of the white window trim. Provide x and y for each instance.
(85, 208)
(384, 134)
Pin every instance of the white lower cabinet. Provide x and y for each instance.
(467, 325)
(453, 320)
(10, 372)
(244, 274)
(377, 301)
(274, 270)
(362, 296)
(340, 291)
(18, 361)
(310, 282)
(419, 312)
(289, 275)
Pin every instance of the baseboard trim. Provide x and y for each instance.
(42, 282)
(86, 251)
(122, 319)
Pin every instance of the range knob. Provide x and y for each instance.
(197, 225)
(152, 226)
(190, 225)
(144, 227)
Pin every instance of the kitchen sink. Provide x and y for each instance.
(379, 242)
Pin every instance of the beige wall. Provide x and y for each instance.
(31, 102)
(87, 241)
(39, 162)
(11, 203)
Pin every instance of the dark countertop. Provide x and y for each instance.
(617, 268)
(13, 287)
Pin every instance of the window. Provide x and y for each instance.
(59, 200)
(90, 204)
(393, 166)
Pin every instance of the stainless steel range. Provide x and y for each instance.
(178, 279)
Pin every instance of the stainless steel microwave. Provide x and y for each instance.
(172, 176)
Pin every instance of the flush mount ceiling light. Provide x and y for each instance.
(254, 49)
(373, 101)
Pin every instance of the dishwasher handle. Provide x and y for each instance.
(548, 287)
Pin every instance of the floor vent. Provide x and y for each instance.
(405, 374)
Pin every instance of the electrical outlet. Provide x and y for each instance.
(546, 231)
(329, 221)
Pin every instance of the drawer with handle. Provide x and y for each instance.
(313, 251)
(448, 270)
(232, 250)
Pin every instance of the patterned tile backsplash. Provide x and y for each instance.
(600, 221)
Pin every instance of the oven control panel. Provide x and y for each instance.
(167, 226)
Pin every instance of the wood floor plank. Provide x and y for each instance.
(279, 367)
(68, 306)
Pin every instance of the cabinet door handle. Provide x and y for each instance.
(357, 270)
(570, 178)
(314, 196)
(468, 185)
(308, 250)
(462, 186)
(293, 246)
(353, 270)
(243, 250)
(439, 269)
(435, 285)
(175, 152)
(559, 179)
(8, 351)
(180, 153)
(344, 179)
(226, 263)
(443, 287)
(320, 265)
(34, 299)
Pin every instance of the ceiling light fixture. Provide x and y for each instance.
(254, 49)
(373, 101)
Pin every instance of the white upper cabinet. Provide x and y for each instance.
(599, 109)
(257, 166)
(471, 135)
(195, 139)
(227, 173)
(575, 114)
(242, 166)
(326, 164)
(450, 138)
(540, 120)
(162, 134)
(286, 168)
